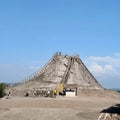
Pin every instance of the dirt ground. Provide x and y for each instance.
(59, 108)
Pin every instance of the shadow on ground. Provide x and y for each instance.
(113, 109)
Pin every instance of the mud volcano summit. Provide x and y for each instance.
(61, 72)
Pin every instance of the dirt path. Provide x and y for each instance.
(60, 108)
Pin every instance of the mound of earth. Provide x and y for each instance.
(63, 69)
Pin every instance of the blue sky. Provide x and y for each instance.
(32, 31)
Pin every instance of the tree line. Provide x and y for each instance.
(2, 89)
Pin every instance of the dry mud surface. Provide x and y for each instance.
(60, 108)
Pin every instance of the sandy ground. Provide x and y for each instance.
(60, 108)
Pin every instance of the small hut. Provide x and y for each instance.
(70, 90)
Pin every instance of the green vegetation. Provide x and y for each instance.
(2, 90)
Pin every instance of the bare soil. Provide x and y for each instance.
(59, 108)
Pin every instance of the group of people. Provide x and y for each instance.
(9, 94)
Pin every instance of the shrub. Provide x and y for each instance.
(2, 90)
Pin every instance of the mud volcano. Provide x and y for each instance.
(61, 70)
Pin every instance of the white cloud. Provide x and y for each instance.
(117, 54)
(114, 61)
(13, 73)
(95, 68)
(105, 69)
(34, 67)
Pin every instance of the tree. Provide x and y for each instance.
(2, 90)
